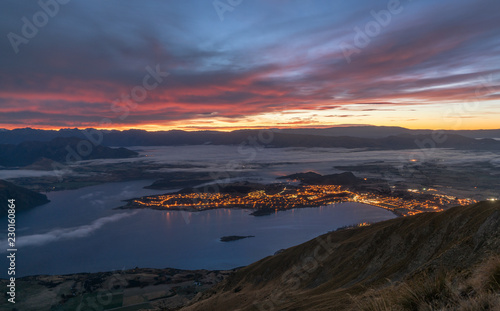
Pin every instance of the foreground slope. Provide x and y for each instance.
(331, 271)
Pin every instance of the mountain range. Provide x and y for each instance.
(61, 149)
(115, 137)
(387, 138)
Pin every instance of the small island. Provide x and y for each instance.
(263, 212)
(231, 238)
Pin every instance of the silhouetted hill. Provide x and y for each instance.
(399, 142)
(24, 199)
(18, 136)
(282, 139)
(353, 269)
(357, 131)
(345, 137)
(385, 131)
(59, 149)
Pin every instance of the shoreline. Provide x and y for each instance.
(265, 213)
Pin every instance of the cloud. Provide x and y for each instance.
(262, 58)
(67, 233)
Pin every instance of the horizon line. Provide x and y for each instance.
(233, 129)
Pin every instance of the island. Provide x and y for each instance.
(231, 238)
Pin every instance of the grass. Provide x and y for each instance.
(488, 275)
(474, 290)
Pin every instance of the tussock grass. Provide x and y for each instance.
(475, 290)
(487, 276)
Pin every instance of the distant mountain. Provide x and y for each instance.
(442, 261)
(18, 136)
(24, 199)
(403, 141)
(386, 138)
(385, 131)
(60, 149)
(356, 131)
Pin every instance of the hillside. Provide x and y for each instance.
(422, 262)
(25, 199)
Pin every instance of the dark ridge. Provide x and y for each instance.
(24, 199)
(59, 149)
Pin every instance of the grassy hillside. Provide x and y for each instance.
(424, 262)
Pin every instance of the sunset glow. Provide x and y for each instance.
(266, 64)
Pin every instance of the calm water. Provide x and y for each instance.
(80, 232)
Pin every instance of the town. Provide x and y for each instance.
(413, 202)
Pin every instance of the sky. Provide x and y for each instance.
(231, 64)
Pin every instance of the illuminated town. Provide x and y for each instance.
(299, 196)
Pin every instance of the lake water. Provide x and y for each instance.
(79, 231)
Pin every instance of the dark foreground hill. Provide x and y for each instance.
(60, 149)
(24, 198)
(432, 261)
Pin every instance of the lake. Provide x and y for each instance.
(79, 231)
